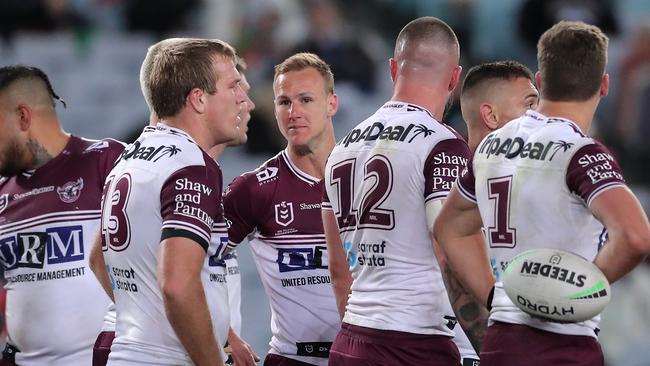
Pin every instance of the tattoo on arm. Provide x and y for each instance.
(471, 314)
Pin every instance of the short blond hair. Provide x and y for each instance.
(303, 60)
(179, 67)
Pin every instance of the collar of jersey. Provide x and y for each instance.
(311, 180)
(540, 117)
(407, 106)
(52, 162)
(161, 126)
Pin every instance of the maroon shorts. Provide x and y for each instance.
(277, 360)
(361, 346)
(514, 345)
(102, 348)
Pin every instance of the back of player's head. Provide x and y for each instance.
(572, 57)
(486, 73)
(416, 39)
(303, 60)
(181, 66)
(147, 65)
(32, 78)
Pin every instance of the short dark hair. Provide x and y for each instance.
(426, 29)
(180, 67)
(12, 73)
(572, 57)
(490, 71)
(303, 60)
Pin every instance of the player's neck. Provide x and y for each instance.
(216, 151)
(52, 138)
(312, 159)
(582, 113)
(430, 98)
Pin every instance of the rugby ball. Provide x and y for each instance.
(556, 285)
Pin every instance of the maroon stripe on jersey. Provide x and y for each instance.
(443, 166)
(591, 171)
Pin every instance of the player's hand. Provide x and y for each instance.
(242, 353)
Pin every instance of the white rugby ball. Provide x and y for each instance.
(556, 285)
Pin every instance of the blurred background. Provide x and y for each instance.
(92, 51)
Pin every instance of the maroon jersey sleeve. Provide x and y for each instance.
(187, 204)
(443, 166)
(108, 156)
(326, 205)
(465, 182)
(237, 206)
(591, 171)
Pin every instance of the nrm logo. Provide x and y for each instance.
(33, 249)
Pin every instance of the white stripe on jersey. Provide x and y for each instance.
(299, 173)
(50, 218)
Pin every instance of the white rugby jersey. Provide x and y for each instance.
(378, 180)
(163, 186)
(278, 207)
(533, 181)
(48, 220)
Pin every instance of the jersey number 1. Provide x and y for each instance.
(501, 235)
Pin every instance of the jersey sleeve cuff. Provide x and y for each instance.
(172, 232)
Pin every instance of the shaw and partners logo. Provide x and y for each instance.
(149, 153)
(34, 249)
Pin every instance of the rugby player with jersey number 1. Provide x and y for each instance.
(541, 182)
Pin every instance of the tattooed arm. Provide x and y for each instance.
(470, 313)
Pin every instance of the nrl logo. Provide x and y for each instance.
(70, 191)
(284, 213)
(4, 200)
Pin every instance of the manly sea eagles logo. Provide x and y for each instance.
(70, 191)
(4, 200)
(284, 213)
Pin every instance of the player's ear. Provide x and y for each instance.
(604, 86)
(392, 64)
(455, 77)
(332, 104)
(488, 116)
(197, 99)
(24, 114)
(538, 81)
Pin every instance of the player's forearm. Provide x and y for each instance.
(470, 312)
(341, 285)
(188, 313)
(467, 258)
(98, 266)
(621, 254)
(628, 232)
